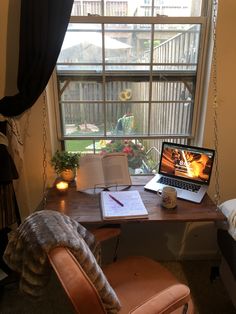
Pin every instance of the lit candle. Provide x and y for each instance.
(62, 186)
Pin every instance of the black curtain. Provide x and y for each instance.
(43, 24)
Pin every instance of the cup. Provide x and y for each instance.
(168, 197)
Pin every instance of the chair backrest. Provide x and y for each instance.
(84, 295)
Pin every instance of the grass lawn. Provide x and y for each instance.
(77, 145)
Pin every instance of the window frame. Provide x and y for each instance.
(204, 20)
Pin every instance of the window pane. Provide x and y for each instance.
(173, 91)
(85, 118)
(126, 42)
(176, 44)
(137, 8)
(81, 7)
(80, 90)
(127, 119)
(177, 7)
(82, 44)
(171, 118)
(172, 114)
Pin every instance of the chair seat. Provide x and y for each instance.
(137, 279)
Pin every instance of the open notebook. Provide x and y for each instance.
(187, 168)
(122, 205)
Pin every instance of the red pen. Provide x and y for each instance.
(116, 200)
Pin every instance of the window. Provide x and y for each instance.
(130, 75)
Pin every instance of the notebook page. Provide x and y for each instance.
(122, 204)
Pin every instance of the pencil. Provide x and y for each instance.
(116, 200)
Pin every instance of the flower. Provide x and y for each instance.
(135, 151)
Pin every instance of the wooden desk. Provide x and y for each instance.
(84, 207)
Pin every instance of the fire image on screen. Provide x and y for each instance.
(186, 164)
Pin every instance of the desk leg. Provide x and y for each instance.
(107, 232)
(116, 249)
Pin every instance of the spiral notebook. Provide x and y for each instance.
(122, 205)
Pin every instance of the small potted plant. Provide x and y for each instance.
(65, 164)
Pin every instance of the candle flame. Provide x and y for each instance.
(62, 186)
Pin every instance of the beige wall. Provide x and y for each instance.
(226, 52)
(226, 89)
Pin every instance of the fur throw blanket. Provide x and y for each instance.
(27, 249)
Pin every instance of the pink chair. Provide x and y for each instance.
(142, 285)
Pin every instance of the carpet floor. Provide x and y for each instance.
(208, 292)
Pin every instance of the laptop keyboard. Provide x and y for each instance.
(180, 184)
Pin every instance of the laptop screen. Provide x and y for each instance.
(186, 162)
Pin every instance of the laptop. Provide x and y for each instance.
(186, 168)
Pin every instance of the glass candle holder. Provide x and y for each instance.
(62, 186)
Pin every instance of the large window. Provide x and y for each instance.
(130, 75)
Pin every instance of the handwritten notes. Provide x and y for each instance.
(133, 206)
